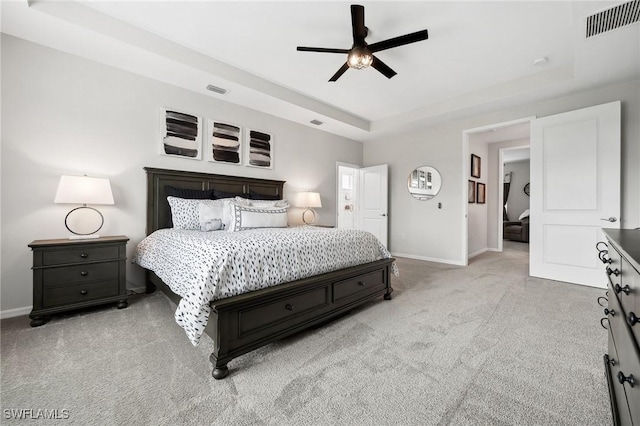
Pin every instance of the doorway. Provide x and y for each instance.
(362, 198)
(483, 218)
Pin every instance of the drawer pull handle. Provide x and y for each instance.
(615, 272)
(84, 273)
(602, 255)
(84, 255)
(83, 292)
(361, 283)
(605, 299)
(608, 311)
(622, 378)
(626, 289)
(288, 307)
(632, 319)
(602, 320)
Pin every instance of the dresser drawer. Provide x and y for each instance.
(629, 297)
(79, 273)
(78, 293)
(286, 310)
(359, 287)
(614, 269)
(79, 255)
(617, 395)
(628, 358)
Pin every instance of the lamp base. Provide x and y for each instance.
(313, 216)
(83, 237)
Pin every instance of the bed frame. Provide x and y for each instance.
(242, 323)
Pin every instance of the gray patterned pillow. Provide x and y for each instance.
(185, 213)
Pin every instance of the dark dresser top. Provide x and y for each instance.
(628, 242)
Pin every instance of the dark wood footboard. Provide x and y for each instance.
(246, 322)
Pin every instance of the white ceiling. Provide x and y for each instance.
(479, 55)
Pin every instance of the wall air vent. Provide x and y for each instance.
(316, 122)
(216, 89)
(612, 18)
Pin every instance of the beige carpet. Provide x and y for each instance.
(482, 345)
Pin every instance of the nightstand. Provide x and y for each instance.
(73, 274)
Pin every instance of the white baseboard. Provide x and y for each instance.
(479, 252)
(10, 313)
(428, 259)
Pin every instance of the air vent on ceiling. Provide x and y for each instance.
(612, 18)
(216, 89)
(316, 122)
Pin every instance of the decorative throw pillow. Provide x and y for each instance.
(264, 204)
(524, 214)
(257, 196)
(243, 217)
(184, 211)
(210, 216)
(199, 194)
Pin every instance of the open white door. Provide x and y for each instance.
(373, 197)
(575, 191)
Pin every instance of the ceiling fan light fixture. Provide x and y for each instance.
(359, 58)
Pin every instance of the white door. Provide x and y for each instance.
(373, 201)
(575, 191)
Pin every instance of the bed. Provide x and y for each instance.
(241, 323)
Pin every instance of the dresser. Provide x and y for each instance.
(621, 257)
(74, 274)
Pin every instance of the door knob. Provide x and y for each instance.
(611, 219)
(383, 214)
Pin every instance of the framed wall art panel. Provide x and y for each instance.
(224, 143)
(181, 134)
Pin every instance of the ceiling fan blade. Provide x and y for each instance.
(383, 68)
(399, 41)
(357, 23)
(341, 71)
(321, 49)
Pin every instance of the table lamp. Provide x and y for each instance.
(84, 221)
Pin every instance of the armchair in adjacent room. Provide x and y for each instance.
(517, 230)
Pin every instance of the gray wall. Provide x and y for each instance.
(65, 115)
(421, 230)
(518, 201)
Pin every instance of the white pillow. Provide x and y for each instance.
(263, 204)
(210, 216)
(524, 214)
(243, 217)
(269, 204)
(227, 211)
(184, 211)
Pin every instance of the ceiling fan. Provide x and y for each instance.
(361, 54)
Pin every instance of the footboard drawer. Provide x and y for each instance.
(356, 288)
(285, 310)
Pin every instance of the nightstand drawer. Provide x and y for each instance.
(79, 255)
(79, 273)
(78, 293)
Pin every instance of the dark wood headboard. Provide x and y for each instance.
(158, 210)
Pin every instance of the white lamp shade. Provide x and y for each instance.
(84, 190)
(309, 200)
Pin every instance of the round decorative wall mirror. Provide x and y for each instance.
(424, 183)
(526, 189)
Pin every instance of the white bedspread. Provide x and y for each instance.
(205, 266)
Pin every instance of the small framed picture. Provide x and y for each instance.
(475, 166)
(181, 134)
(481, 193)
(472, 191)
